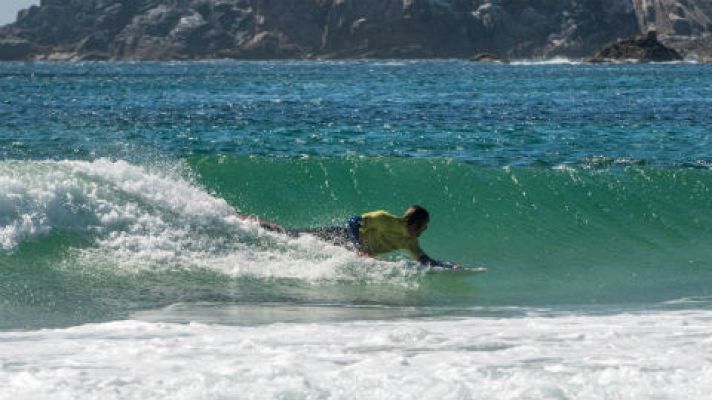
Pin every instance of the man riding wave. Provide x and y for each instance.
(375, 233)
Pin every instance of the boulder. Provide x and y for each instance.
(643, 48)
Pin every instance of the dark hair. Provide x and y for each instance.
(417, 214)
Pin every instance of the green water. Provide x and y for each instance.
(548, 237)
(575, 185)
(512, 218)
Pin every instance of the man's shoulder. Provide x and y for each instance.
(379, 214)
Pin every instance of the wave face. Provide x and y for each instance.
(582, 234)
(83, 241)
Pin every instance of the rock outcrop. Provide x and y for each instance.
(643, 48)
(262, 29)
(685, 25)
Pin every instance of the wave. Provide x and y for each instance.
(186, 216)
(140, 217)
(618, 232)
(602, 212)
(83, 240)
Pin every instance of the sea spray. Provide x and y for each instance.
(106, 225)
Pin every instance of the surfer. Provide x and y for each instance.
(378, 232)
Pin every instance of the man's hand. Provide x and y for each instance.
(452, 265)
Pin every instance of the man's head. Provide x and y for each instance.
(416, 219)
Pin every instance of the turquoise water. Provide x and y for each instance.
(493, 115)
(579, 187)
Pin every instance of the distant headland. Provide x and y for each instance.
(302, 29)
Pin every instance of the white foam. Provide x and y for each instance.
(661, 355)
(549, 61)
(152, 218)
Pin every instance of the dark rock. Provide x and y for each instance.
(190, 28)
(682, 26)
(650, 13)
(266, 45)
(485, 57)
(97, 42)
(158, 21)
(402, 28)
(588, 25)
(14, 49)
(645, 48)
(491, 16)
(91, 56)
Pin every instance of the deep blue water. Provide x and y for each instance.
(520, 115)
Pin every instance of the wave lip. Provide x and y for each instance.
(101, 197)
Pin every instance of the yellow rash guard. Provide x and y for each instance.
(382, 232)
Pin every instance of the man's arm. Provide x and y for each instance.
(431, 262)
(428, 261)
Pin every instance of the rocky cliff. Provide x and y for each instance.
(250, 29)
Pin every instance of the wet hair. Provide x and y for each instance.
(417, 215)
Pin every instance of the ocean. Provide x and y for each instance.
(583, 189)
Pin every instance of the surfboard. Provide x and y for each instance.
(457, 271)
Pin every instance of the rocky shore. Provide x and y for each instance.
(273, 29)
